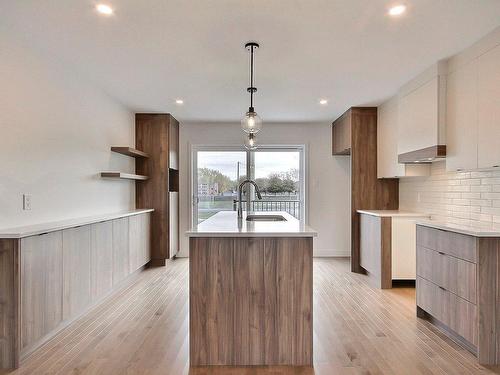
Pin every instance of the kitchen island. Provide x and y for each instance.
(250, 291)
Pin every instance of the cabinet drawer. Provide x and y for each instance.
(451, 243)
(455, 275)
(455, 312)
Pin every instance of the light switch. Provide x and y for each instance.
(26, 201)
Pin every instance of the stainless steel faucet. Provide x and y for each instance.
(240, 194)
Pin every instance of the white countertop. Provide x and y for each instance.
(33, 230)
(463, 229)
(226, 224)
(392, 213)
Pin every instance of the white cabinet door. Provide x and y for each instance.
(461, 148)
(387, 140)
(419, 118)
(488, 114)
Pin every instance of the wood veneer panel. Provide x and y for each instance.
(41, 287)
(489, 309)
(375, 249)
(152, 132)
(76, 270)
(101, 259)
(121, 253)
(129, 151)
(9, 301)
(251, 301)
(454, 274)
(367, 191)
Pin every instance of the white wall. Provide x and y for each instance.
(55, 133)
(328, 188)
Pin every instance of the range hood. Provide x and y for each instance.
(424, 155)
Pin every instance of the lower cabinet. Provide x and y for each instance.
(121, 256)
(101, 259)
(63, 273)
(458, 284)
(139, 242)
(76, 270)
(41, 286)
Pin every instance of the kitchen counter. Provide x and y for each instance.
(36, 229)
(251, 283)
(226, 224)
(392, 213)
(457, 228)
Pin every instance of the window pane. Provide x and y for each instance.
(277, 174)
(217, 176)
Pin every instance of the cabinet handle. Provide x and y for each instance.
(440, 252)
(440, 287)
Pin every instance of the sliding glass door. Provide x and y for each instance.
(217, 171)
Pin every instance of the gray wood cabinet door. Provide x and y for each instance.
(41, 286)
(101, 259)
(121, 265)
(76, 270)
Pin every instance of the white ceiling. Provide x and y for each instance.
(151, 52)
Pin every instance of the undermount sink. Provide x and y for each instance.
(265, 218)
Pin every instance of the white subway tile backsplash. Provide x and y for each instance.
(467, 198)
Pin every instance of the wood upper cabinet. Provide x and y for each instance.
(488, 108)
(461, 152)
(387, 145)
(341, 135)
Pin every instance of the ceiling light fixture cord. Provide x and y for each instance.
(251, 79)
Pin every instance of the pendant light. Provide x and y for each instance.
(251, 141)
(251, 123)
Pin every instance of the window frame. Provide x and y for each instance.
(250, 171)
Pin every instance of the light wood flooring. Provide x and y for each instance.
(357, 330)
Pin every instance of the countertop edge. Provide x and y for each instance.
(381, 213)
(247, 234)
(457, 229)
(37, 229)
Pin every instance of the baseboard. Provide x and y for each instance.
(330, 253)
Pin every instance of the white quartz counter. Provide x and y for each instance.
(226, 224)
(392, 213)
(33, 230)
(457, 228)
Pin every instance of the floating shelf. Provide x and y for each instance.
(129, 151)
(124, 176)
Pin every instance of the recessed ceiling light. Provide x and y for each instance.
(179, 101)
(397, 10)
(323, 101)
(104, 9)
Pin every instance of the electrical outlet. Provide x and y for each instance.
(26, 201)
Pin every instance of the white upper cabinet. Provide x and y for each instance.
(488, 108)
(422, 111)
(387, 144)
(387, 140)
(461, 131)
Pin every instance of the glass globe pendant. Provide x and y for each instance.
(251, 123)
(251, 141)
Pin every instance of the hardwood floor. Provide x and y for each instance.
(357, 330)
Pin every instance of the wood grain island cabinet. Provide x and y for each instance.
(51, 274)
(458, 284)
(250, 292)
